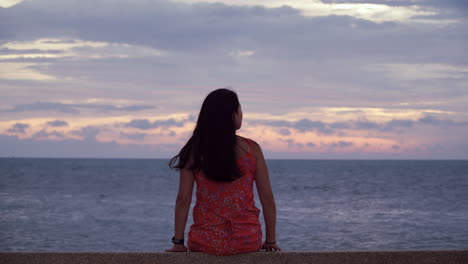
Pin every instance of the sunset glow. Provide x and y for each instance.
(316, 79)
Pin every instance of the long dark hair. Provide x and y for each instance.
(212, 145)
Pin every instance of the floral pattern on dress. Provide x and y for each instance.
(225, 218)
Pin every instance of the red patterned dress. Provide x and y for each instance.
(225, 218)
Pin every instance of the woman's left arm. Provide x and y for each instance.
(183, 201)
(182, 207)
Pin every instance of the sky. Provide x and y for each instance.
(349, 79)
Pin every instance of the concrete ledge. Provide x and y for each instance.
(351, 257)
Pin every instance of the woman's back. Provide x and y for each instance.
(226, 220)
(225, 216)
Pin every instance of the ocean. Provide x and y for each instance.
(123, 205)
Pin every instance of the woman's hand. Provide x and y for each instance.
(177, 248)
(270, 247)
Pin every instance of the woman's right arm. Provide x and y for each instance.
(265, 194)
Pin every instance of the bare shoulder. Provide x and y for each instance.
(256, 150)
(255, 145)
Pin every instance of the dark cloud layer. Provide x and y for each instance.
(133, 136)
(305, 125)
(145, 124)
(333, 145)
(302, 125)
(18, 128)
(44, 134)
(284, 131)
(88, 132)
(207, 28)
(57, 123)
(333, 51)
(341, 144)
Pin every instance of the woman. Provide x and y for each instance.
(224, 166)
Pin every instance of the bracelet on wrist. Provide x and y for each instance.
(177, 241)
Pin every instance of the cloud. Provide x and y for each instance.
(449, 11)
(43, 106)
(284, 131)
(57, 123)
(9, 3)
(223, 29)
(302, 125)
(405, 123)
(88, 132)
(292, 143)
(18, 128)
(397, 123)
(424, 71)
(145, 124)
(377, 12)
(430, 120)
(192, 118)
(341, 144)
(306, 125)
(24, 71)
(241, 53)
(133, 136)
(339, 125)
(433, 3)
(365, 124)
(55, 48)
(141, 136)
(71, 108)
(44, 134)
